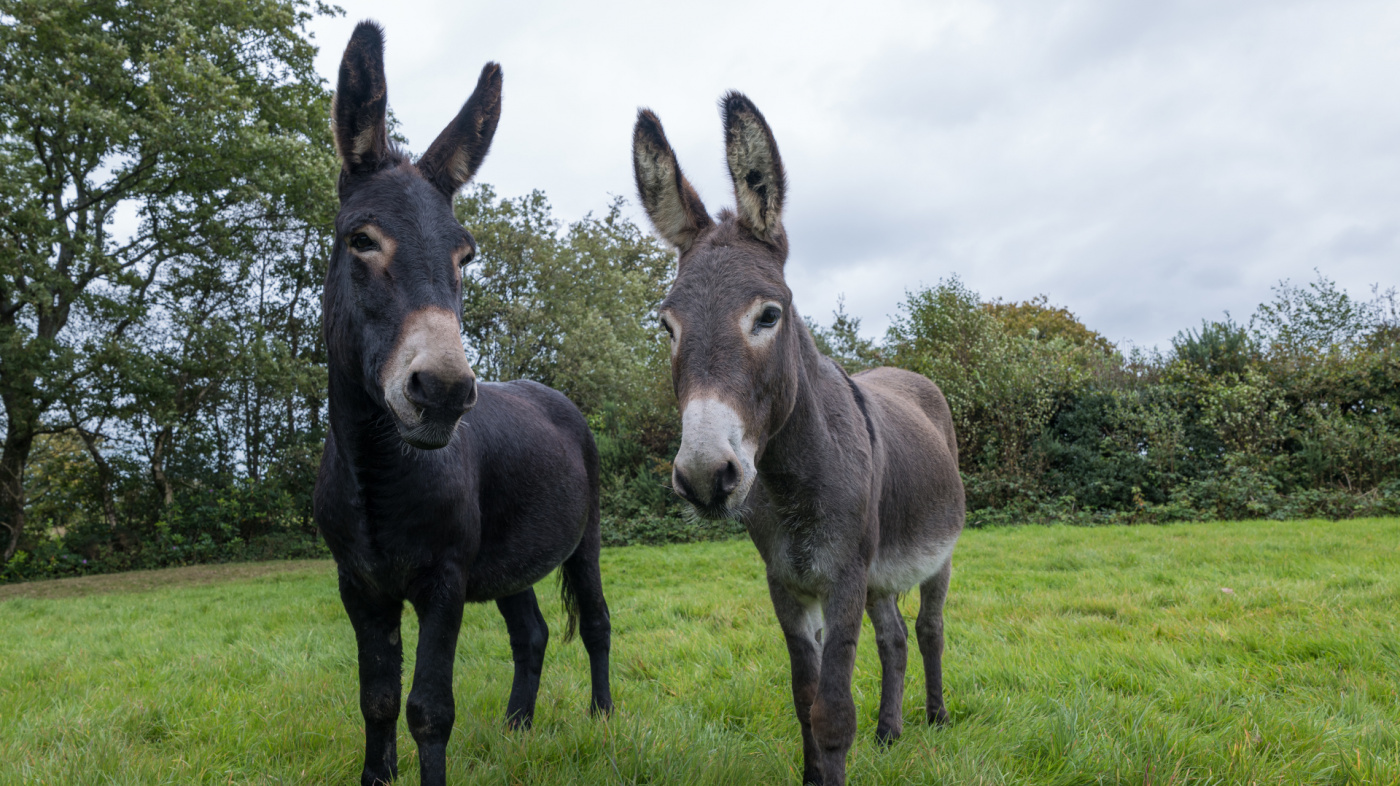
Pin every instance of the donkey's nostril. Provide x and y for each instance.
(416, 390)
(471, 394)
(682, 486)
(726, 480)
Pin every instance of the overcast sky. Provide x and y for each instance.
(1146, 164)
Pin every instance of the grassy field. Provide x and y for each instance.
(1247, 652)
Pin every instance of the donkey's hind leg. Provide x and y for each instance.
(892, 640)
(583, 589)
(529, 635)
(929, 628)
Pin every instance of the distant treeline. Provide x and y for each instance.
(1293, 413)
(163, 386)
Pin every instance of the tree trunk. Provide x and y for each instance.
(14, 459)
(167, 492)
(104, 478)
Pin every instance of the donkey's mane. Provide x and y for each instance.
(860, 400)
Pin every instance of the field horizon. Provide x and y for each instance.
(1223, 652)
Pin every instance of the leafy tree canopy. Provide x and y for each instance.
(146, 147)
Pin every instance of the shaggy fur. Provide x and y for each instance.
(856, 496)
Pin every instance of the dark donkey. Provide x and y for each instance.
(434, 489)
(848, 486)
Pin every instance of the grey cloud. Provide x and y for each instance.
(1147, 165)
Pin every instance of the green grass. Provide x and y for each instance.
(1074, 656)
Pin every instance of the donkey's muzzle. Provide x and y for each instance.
(441, 398)
(428, 383)
(714, 468)
(708, 488)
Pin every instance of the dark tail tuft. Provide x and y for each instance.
(569, 594)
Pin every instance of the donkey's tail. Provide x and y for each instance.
(568, 592)
(579, 581)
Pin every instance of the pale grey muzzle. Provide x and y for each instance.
(714, 468)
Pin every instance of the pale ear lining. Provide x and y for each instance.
(671, 203)
(755, 167)
(458, 152)
(358, 107)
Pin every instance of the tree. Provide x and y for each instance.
(1037, 319)
(575, 311)
(842, 341)
(1320, 318)
(142, 142)
(1217, 348)
(1003, 389)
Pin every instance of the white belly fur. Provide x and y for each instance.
(891, 573)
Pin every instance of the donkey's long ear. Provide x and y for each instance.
(759, 182)
(672, 204)
(361, 99)
(458, 151)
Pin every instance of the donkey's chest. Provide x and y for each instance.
(388, 534)
(800, 552)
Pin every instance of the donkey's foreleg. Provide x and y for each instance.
(529, 635)
(834, 711)
(891, 637)
(929, 628)
(431, 711)
(583, 578)
(376, 623)
(800, 623)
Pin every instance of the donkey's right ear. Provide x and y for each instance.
(672, 204)
(361, 100)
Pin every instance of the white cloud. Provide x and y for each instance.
(1146, 165)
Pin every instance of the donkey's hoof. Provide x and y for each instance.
(519, 722)
(938, 716)
(383, 777)
(886, 737)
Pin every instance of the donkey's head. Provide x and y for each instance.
(734, 334)
(393, 302)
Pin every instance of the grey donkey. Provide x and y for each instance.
(848, 486)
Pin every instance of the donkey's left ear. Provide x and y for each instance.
(757, 170)
(458, 151)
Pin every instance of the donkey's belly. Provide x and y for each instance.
(898, 568)
(503, 570)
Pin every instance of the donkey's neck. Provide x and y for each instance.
(366, 437)
(822, 437)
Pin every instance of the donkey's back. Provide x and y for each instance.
(921, 492)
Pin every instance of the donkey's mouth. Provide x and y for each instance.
(712, 512)
(426, 434)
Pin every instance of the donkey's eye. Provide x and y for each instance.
(467, 257)
(769, 317)
(669, 331)
(362, 242)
